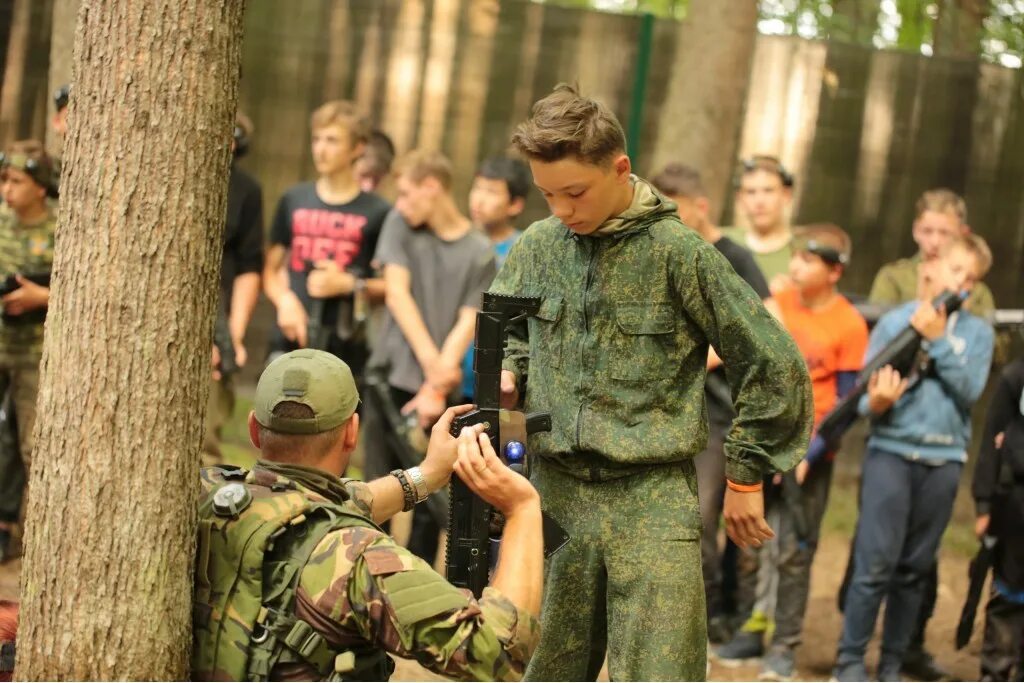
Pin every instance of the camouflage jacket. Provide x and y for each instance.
(28, 250)
(361, 590)
(618, 350)
(896, 283)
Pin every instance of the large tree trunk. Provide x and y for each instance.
(62, 43)
(701, 120)
(106, 584)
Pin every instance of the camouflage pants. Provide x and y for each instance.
(629, 581)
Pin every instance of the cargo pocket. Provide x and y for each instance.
(644, 339)
(547, 349)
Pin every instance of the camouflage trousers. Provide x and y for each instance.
(628, 582)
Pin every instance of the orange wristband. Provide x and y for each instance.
(744, 488)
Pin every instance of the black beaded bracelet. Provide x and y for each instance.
(408, 492)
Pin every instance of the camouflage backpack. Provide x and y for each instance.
(256, 533)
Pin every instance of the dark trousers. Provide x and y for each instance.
(710, 464)
(381, 459)
(904, 509)
(12, 470)
(796, 551)
(1004, 631)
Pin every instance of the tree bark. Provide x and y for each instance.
(701, 121)
(110, 538)
(62, 44)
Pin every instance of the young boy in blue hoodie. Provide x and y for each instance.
(920, 428)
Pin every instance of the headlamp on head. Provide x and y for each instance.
(825, 252)
(61, 96)
(771, 165)
(39, 171)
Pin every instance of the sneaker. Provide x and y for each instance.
(852, 671)
(920, 664)
(778, 665)
(742, 649)
(888, 673)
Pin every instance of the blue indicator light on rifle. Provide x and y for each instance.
(514, 452)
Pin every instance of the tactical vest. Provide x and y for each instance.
(256, 533)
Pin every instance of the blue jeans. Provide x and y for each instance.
(904, 509)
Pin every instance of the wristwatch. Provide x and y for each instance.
(415, 474)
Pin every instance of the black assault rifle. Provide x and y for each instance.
(471, 521)
(10, 284)
(900, 353)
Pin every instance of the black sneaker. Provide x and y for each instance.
(921, 665)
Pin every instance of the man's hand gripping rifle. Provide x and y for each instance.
(471, 521)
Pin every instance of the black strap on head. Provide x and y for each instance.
(61, 96)
(770, 164)
(825, 252)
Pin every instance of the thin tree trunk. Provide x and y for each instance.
(107, 578)
(62, 43)
(701, 119)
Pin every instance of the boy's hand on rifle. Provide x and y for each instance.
(509, 390)
(744, 518)
(930, 323)
(489, 478)
(327, 280)
(292, 319)
(981, 525)
(28, 297)
(442, 451)
(429, 405)
(885, 388)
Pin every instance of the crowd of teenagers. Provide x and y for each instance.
(375, 262)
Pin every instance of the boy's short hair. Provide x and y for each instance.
(344, 114)
(679, 180)
(380, 151)
(420, 164)
(766, 162)
(827, 241)
(514, 172)
(29, 156)
(976, 245)
(941, 200)
(567, 124)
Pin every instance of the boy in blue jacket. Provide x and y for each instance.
(920, 428)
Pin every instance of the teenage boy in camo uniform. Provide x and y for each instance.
(631, 301)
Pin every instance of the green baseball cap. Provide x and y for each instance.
(313, 378)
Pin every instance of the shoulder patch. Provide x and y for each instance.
(419, 595)
(383, 560)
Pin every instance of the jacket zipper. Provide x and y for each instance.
(583, 342)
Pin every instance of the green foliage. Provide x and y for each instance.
(899, 24)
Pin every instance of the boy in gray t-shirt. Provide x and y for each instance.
(436, 266)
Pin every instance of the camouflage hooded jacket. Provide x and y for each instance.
(618, 350)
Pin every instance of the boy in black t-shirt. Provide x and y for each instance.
(324, 235)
